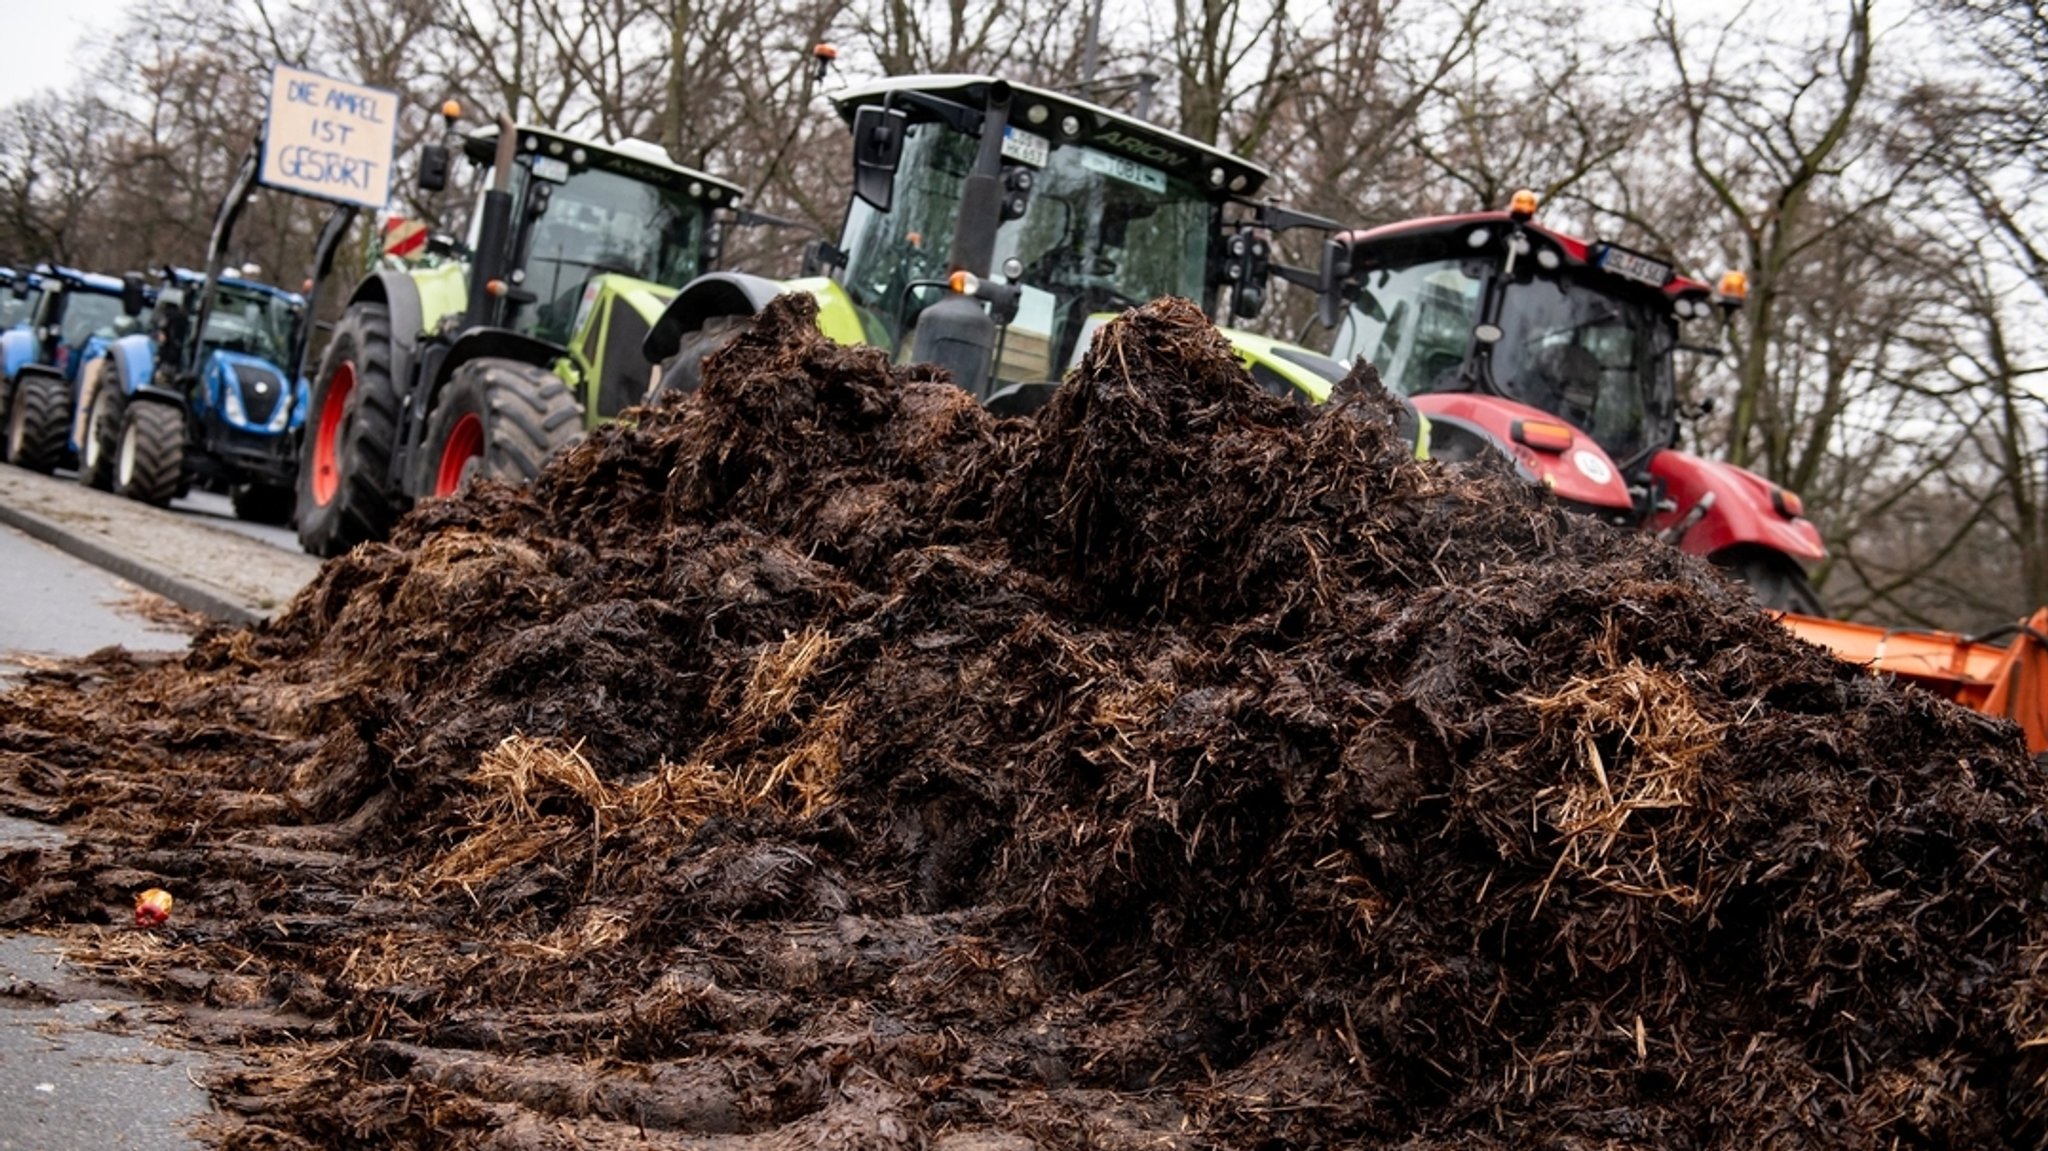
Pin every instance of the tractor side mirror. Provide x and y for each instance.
(822, 258)
(1330, 277)
(877, 151)
(434, 163)
(133, 300)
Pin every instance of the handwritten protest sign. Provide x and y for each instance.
(329, 138)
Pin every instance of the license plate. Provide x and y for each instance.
(1118, 168)
(552, 170)
(1633, 265)
(1025, 148)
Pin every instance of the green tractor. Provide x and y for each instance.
(993, 227)
(489, 359)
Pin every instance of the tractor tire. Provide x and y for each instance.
(149, 463)
(1777, 582)
(6, 410)
(102, 439)
(344, 492)
(263, 503)
(497, 418)
(38, 423)
(685, 373)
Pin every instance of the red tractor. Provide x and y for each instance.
(1557, 353)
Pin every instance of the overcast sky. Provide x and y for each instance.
(43, 39)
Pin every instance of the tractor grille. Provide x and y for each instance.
(262, 391)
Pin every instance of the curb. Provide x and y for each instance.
(184, 593)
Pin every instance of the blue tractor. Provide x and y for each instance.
(212, 394)
(74, 317)
(229, 401)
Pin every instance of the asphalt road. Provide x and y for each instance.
(80, 1064)
(52, 604)
(220, 512)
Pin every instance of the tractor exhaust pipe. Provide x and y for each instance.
(491, 261)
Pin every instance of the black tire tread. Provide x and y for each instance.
(105, 430)
(6, 409)
(159, 431)
(259, 503)
(685, 373)
(365, 506)
(528, 412)
(44, 419)
(1778, 583)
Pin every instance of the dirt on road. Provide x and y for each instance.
(822, 762)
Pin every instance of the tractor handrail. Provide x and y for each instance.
(224, 220)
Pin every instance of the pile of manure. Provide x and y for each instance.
(821, 761)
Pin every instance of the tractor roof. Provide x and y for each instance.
(1045, 113)
(1425, 236)
(188, 278)
(79, 281)
(640, 160)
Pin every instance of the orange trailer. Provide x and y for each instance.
(2002, 673)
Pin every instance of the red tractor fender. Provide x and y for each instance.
(1544, 448)
(1747, 510)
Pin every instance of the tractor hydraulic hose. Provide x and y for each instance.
(1676, 532)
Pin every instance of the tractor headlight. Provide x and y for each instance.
(231, 398)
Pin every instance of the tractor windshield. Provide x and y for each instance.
(1098, 233)
(87, 315)
(600, 221)
(16, 311)
(1415, 324)
(1568, 345)
(1598, 360)
(250, 322)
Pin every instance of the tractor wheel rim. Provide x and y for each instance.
(124, 460)
(326, 480)
(465, 443)
(94, 420)
(17, 415)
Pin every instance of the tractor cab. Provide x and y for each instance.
(70, 318)
(243, 316)
(1097, 212)
(1584, 332)
(1558, 353)
(993, 226)
(78, 313)
(580, 210)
